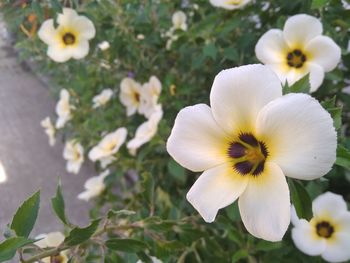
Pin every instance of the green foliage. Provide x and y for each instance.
(58, 205)
(8, 248)
(301, 86)
(79, 235)
(300, 199)
(26, 215)
(126, 245)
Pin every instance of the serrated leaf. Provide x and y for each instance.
(58, 205)
(301, 86)
(9, 247)
(300, 199)
(343, 157)
(79, 235)
(26, 215)
(126, 245)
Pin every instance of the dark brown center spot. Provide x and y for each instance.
(56, 259)
(68, 39)
(296, 58)
(324, 229)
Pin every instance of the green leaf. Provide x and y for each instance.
(343, 157)
(58, 205)
(38, 10)
(267, 246)
(56, 6)
(80, 235)
(177, 171)
(9, 247)
(316, 4)
(26, 215)
(301, 86)
(300, 199)
(334, 111)
(126, 245)
(231, 54)
(144, 257)
(148, 188)
(210, 51)
(238, 255)
(112, 213)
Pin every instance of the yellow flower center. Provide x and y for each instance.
(56, 259)
(324, 229)
(137, 96)
(233, 2)
(68, 39)
(296, 58)
(248, 154)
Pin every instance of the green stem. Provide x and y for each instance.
(45, 254)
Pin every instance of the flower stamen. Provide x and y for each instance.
(324, 229)
(296, 58)
(68, 39)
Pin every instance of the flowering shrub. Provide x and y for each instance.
(126, 74)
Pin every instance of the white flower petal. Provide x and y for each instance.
(47, 32)
(271, 47)
(324, 52)
(306, 240)
(239, 93)
(300, 29)
(80, 50)
(328, 205)
(265, 204)
(85, 27)
(66, 18)
(294, 217)
(316, 76)
(58, 53)
(216, 188)
(338, 250)
(54, 239)
(196, 141)
(299, 135)
(229, 4)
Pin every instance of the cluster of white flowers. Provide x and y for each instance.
(94, 186)
(179, 21)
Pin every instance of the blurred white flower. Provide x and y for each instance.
(145, 131)
(102, 98)
(298, 50)
(140, 36)
(130, 95)
(150, 93)
(104, 45)
(70, 39)
(63, 109)
(109, 145)
(74, 154)
(49, 130)
(247, 142)
(94, 186)
(328, 232)
(154, 260)
(51, 240)
(229, 4)
(179, 20)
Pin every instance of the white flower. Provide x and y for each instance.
(145, 131)
(179, 21)
(94, 186)
(298, 50)
(53, 239)
(70, 38)
(63, 109)
(130, 95)
(328, 232)
(104, 45)
(247, 142)
(109, 145)
(140, 36)
(74, 154)
(49, 130)
(229, 4)
(102, 98)
(154, 260)
(150, 93)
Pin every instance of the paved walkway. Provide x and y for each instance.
(30, 163)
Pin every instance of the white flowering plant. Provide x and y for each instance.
(234, 113)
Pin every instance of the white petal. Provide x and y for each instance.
(86, 195)
(294, 217)
(300, 29)
(229, 4)
(239, 93)
(196, 141)
(47, 32)
(328, 205)
(85, 27)
(271, 47)
(58, 53)
(216, 188)
(324, 52)
(67, 17)
(265, 204)
(73, 167)
(306, 240)
(299, 135)
(316, 76)
(80, 50)
(338, 249)
(54, 239)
